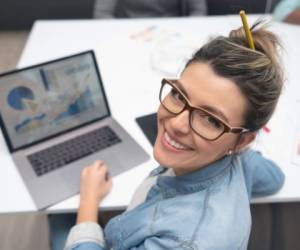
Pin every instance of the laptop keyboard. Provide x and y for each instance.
(64, 153)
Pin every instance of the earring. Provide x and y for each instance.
(230, 152)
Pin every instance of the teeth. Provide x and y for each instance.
(173, 143)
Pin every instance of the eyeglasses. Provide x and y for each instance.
(202, 122)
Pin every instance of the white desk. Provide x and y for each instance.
(128, 59)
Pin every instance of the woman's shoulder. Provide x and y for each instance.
(262, 175)
(185, 219)
(202, 213)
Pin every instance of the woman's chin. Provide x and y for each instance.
(157, 153)
(162, 158)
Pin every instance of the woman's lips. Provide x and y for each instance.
(172, 144)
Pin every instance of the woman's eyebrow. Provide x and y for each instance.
(180, 86)
(216, 112)
(211, 109)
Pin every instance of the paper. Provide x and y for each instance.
(169, 49)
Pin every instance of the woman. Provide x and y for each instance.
(199, 197)
(288, 11)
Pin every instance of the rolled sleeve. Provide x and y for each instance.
(87, 232)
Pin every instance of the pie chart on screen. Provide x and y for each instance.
(17, 95)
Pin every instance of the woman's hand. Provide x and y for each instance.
(95, 183)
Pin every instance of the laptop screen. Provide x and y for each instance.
(48, 99)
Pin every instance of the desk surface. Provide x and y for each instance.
(133, 55)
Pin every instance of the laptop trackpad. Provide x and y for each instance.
(114, 164)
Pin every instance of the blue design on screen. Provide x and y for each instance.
(15, 96)
(82, 103)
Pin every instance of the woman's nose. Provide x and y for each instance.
(180, 122)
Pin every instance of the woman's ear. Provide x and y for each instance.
(244, 140)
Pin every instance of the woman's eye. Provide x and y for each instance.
(214, 122)
(177, 95)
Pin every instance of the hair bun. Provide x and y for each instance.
(265, 41)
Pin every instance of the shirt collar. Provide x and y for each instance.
(195, 181)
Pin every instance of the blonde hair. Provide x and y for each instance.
(257, 73)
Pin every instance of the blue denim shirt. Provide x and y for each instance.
(207, 209)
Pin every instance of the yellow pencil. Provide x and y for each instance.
(247, 30)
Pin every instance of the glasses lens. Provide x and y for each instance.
(172, 99)
(206, 125)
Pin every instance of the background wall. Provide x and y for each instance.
(20, 14)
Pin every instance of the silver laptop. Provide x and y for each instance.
(56, 120)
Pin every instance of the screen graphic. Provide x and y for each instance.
(49, 99)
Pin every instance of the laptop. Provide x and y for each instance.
(56, 120)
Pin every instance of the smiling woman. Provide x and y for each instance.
(199, 197)
(236, 89)
(202, 128)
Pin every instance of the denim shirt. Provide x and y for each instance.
(207, 209)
